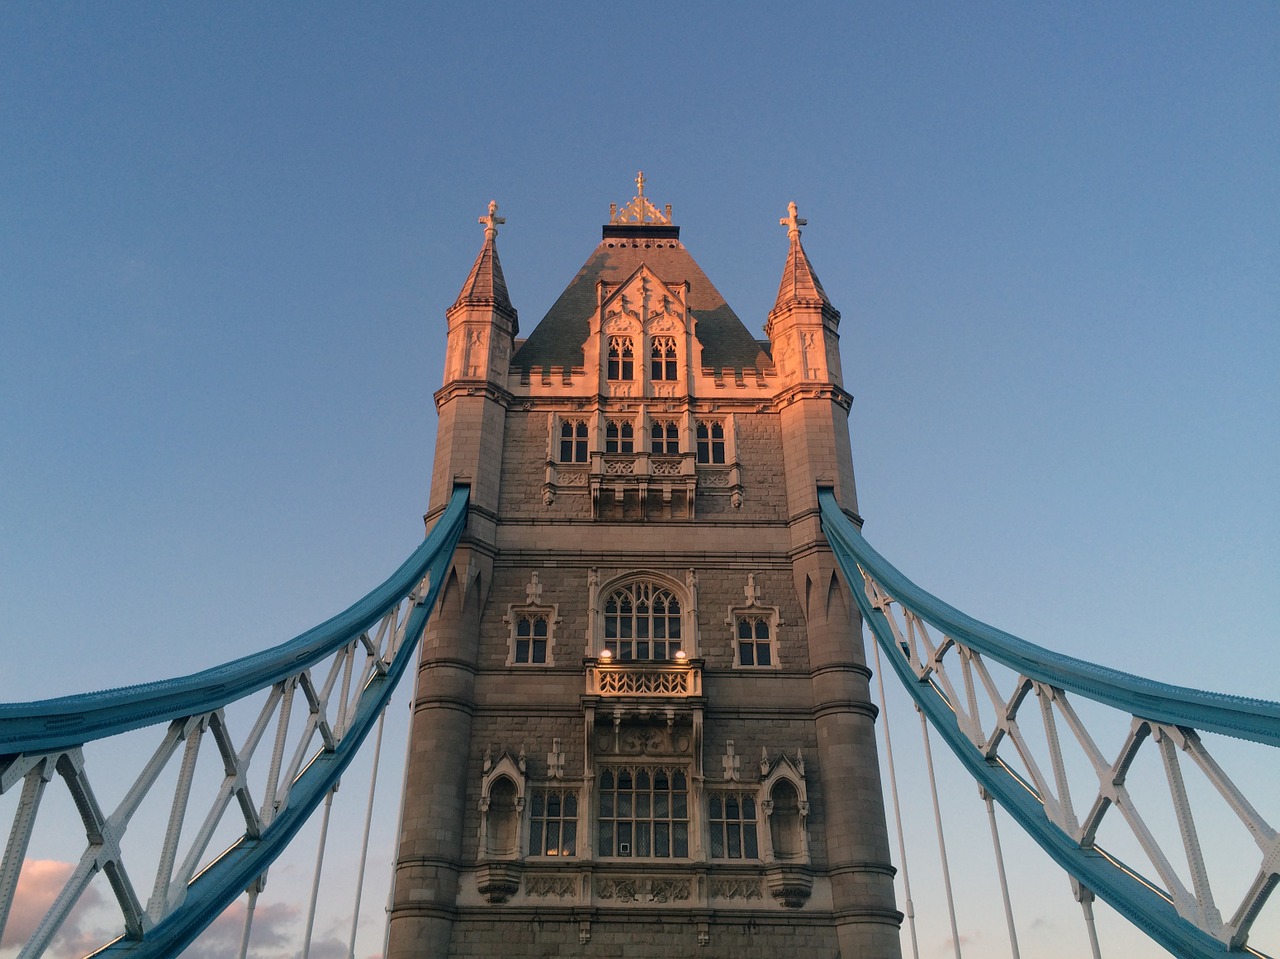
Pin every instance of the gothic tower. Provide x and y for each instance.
(642, 724)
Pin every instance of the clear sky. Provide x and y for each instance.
(228, 234)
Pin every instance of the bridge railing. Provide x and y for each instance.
(1019, 717)
(283, 725)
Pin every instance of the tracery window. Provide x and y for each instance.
(710, 441)
(662, 358)
(573, 441)
(531, 634)
(664, 438)
(642, 621)
(553, 823)
(622, 360)
(755, 640)
(643, 812)
(619, 437)
(732, 818)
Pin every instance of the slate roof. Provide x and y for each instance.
(485, 285)
(557, 340)
(799, 283)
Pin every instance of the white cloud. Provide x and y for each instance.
(38, 886)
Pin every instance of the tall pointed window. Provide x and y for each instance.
(664, 438)
(573, 441)
(710, 441)
(622, 358)
(619, 437)
(642, 621)
(662, 358)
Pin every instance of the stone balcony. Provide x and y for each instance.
(631, 680)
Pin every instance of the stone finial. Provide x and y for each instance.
(640, 210)
(533, 592)
(764, 761)
(751, 590)
(492, 221)
(793, 222)
(555, 760)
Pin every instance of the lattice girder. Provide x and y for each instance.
(38, 745)
(949, 680)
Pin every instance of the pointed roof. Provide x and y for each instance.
(800, 284)
(557, 340)
(485, 285)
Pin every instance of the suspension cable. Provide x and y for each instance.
(897, 809)
(1004, 883)
(315, 882)
(364, 842)
(942, 843)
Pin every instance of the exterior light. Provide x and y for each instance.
(680, 655)
(605, 654)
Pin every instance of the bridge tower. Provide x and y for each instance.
(642, 722)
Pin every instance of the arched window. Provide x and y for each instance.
(755, 640)
(531, 638)
(710, 441)
(622, 358)
(642, 621)
(662, 358)
(573, 441)
(619, 437)
(664, 437)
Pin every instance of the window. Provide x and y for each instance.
(665, 438)
(531, 638)
(733, 826)
(644, 811)
(755, 642)
(619, 437)
(553, 823)
(642, 621)
(573, 441)
(710, 441)
(662, 358)
(622, 361)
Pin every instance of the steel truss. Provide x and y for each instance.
(942, 658)
(340, 674)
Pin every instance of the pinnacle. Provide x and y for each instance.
(800, 283)
(485, 285)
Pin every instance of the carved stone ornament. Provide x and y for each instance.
(789, 884)
(498, 881)
(642, 889)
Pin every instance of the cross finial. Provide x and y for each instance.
(492, 220)
(640, 182)
(793, 222)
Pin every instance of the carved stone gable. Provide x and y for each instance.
(643, 301)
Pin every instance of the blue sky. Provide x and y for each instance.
(228, 235)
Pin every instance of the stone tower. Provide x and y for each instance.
(641, 724)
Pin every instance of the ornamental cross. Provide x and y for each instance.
(640, 182)
(793, 222)
(492, 220)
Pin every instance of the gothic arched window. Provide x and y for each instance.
(619, 437)
(642, 621)
(664, 436)
(662, 358)
(710, 441)
(573, 441)
(622, 358)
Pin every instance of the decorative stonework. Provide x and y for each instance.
(736, 889)
(640, 210)
(545, 887)
(498, 881)
(627, 889)
(790, 885)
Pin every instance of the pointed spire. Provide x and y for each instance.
(485, 285)
(799, 283)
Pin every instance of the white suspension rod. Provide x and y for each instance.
(942, 843)
(315, 882)
(909, 906)
(391, 887)
(248, 917)
(364, 842)
(1086, 905)
(1004, 883)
